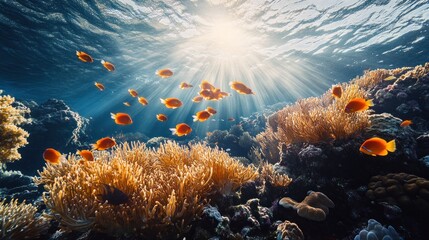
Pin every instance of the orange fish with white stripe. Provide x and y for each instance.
(182, 129)
(164, 73)
(161, 117)
(121, 118)
(133, 92)
(104, 143)
(84, 57)
(377, 147)
(184, 85)
(197, 99)
(99, 86)
(172, 103)
(143, 101)
(86, 154)
(108, 65)
(406, 123)
(240, 88)
(52, 156)
(357, 105)
(201, 116)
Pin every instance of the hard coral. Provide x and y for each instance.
(376, 231)
(166, 188)
(12, 137)
(314, 207)
(18, 221)
(289, 231)
(405, 190)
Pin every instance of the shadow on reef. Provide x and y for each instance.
(335, 166)
(50, 124)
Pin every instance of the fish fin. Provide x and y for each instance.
(102, 61)
(383, 153)
(162, 101)
(94, 146)
(77, 52)
(369, 103)
(113, 116)
(391, 146)
(194, 118)
(173, 131)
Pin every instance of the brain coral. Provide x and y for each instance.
(405, 190)
(12, 137)
(154, 193)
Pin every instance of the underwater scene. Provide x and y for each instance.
(214, 119)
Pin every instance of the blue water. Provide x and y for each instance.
(283, 50)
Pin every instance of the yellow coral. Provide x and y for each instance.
(18, 221)
(268, 174)
(166, 188)
(314, 120)
(12, 137)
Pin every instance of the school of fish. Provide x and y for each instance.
(374, 146)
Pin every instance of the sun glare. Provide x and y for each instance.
(226, 38)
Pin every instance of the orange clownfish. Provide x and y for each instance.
(108, 65)
(240, 88)
(358, 104)
(337, 91)
(201, 116)
(127, 104)
(197, 99)
(184, 85)
(99, 86)
(52, 156)
(171, 102)
(164, 73)
(377, 147)
(161, 117)
(143, 101)
(84, 57)
(211, 110)
(133, 92)
(121, 118)
(406, 123)
(86, 154)
(104, 143)
(182, 129)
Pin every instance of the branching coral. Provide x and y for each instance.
(268, 174)
(166, 188)
(314, 120)
(12, 137)
(18, 221)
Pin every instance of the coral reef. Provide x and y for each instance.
(50, 124)
(289, 231)
(15, 185)
(407, 191)
(167, 188)
(12, 137)
(19, 221)
(314, 207)
(236, 140)
(376, 231)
